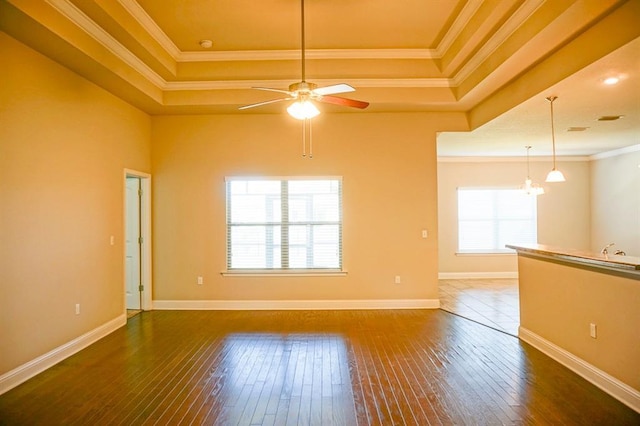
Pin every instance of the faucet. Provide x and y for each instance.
(604, 249)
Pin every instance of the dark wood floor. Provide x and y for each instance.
(320, 367)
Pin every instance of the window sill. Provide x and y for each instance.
(284, 273)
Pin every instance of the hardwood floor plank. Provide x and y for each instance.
(184, 386)
(320, 367)
(277, 378)
(423, 410)
(193, 391)
(205, 396)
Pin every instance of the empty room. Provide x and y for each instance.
(320, 212)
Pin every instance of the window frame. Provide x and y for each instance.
(495, 250)
(284, 271)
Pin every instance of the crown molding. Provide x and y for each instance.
(77, 17)
(248, 84)
(615, 152)
(82, 21)
(285, 55)
(481, 159)
(514, 22)
(67, 9)
(143, 18)
(461, 21)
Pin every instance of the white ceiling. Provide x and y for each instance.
(582, 99)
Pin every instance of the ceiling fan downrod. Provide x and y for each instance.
(303, 40)
(304, 94)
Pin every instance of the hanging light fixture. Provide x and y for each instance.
(303, 109)
(529, 187)
(554, 175)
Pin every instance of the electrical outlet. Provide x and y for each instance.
(397, 280)
(200, 280)
(77, 309)
(593, 330)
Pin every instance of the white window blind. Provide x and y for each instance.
(284, 224)
(489, 218)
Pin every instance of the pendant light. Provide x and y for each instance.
(554, 175)
(529, 187)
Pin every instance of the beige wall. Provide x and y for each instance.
(64, 144)
(615, 203)
(563, 211)
(388, 166)
(547, 289)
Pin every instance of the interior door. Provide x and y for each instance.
(133, 234)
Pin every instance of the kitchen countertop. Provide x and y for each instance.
(625, 263)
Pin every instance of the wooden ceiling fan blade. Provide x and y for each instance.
(332, 90)
(272, 101)
(336, 100)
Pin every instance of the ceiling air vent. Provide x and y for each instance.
(610, 117)
(577, 129)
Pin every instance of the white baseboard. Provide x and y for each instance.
(476, 275)
(295, 304)
(614, 387)
(26, 371)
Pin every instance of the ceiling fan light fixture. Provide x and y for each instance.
(303, 110)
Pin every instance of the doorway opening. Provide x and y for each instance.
(493, 302)
(137, 250)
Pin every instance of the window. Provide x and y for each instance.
(284, 224)
(490, 218)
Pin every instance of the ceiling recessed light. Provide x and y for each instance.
(206, 44)
(610, 81)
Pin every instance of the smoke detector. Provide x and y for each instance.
(206, 44)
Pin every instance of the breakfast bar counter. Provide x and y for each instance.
(583, 309)
(581, 257)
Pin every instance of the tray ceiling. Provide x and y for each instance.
(480, 58)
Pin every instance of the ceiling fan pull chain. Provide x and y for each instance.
(310, 140)
(304, 142)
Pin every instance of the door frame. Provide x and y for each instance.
(145, 233)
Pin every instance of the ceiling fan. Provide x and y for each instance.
(303, 92)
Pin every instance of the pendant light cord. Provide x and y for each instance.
(553, 131)
(554, 175)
